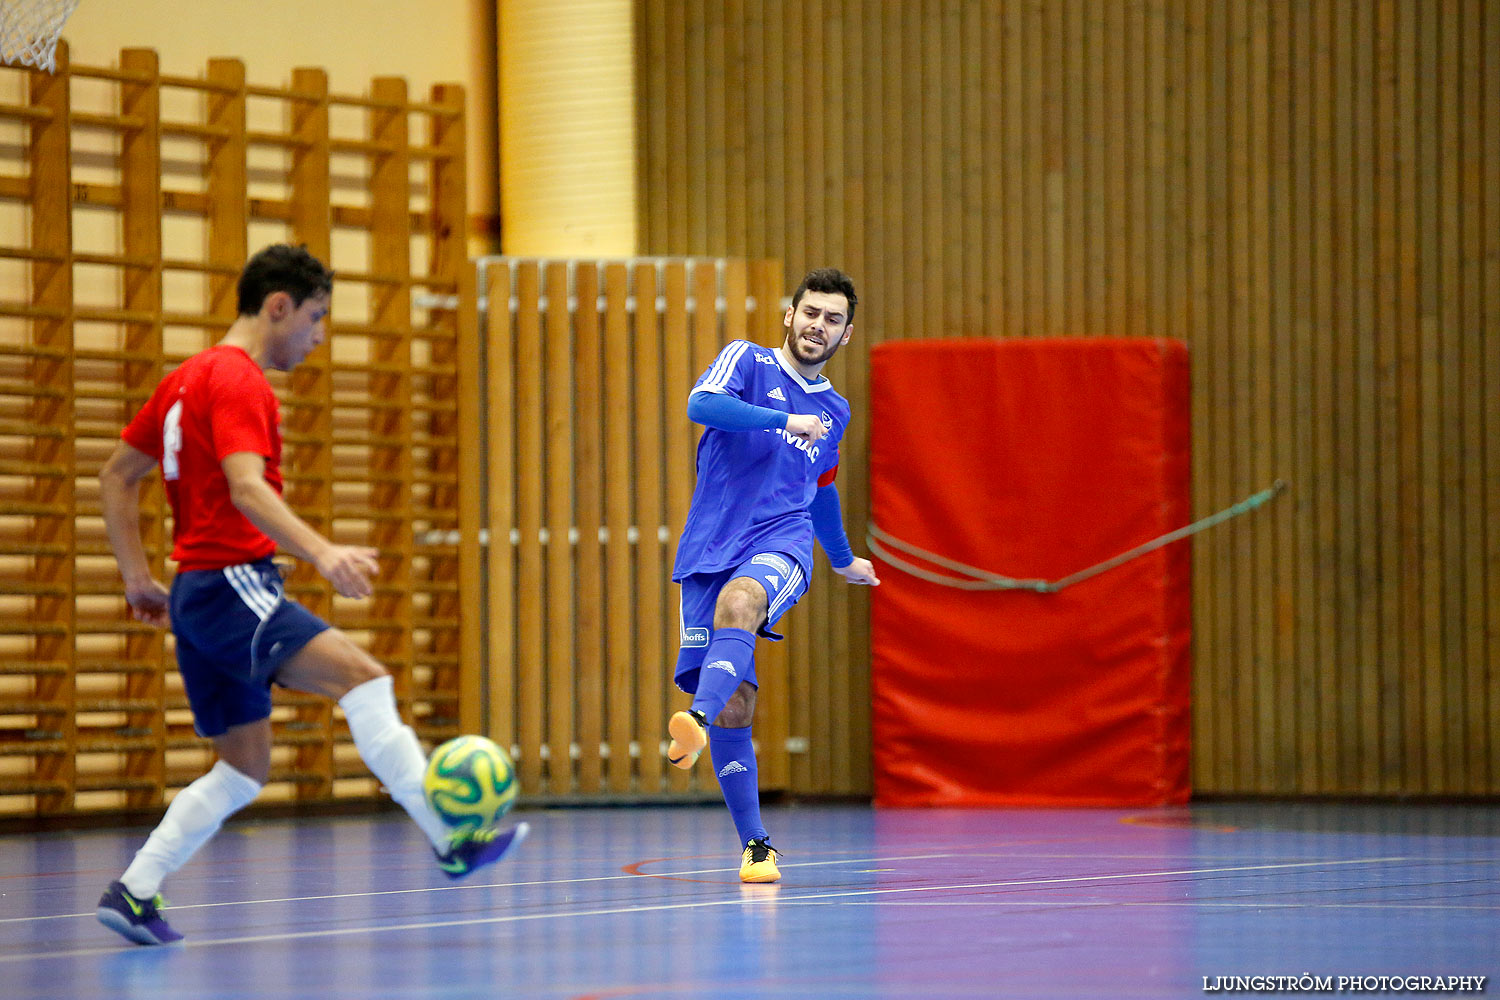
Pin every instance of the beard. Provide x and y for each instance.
(809, 353)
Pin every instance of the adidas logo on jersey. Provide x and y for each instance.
(776, 393)
(733, 767)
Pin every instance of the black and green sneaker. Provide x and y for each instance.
(473, 849)
(140, 920)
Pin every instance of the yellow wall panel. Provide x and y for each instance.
(567, 161)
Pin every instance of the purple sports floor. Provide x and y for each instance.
(645, 902)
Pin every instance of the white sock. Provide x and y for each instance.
(194, 815)
(391, 751)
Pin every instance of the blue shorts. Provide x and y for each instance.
(235, 627)
(784, 583)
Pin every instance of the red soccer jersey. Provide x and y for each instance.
(214, 404)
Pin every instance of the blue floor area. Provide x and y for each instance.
(645, 902)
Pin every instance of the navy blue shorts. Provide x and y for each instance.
(784, 583)
(235, 627)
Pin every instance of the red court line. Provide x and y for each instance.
(635, 869)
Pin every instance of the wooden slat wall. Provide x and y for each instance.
(1303, 191)
(591, 460)
(142, 204)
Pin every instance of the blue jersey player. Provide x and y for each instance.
(766, 467)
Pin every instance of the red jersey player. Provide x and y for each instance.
(214, 427)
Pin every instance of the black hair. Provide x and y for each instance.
(282, 267)
(829, 280)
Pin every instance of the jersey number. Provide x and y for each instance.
(171, 441)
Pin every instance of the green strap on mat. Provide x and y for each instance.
(978, 579)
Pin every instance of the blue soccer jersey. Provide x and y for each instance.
(754, 487)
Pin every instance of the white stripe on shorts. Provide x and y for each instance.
(252, 590)
(788, 591)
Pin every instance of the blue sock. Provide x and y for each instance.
(734, 762)
(725, 662)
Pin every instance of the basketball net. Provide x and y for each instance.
(29, 30)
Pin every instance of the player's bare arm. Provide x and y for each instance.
(347, 567)
(805, 426)
(120, 495)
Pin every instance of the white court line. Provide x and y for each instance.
(467, 886)
(698, 904)
(180, 907)
(1196, 904)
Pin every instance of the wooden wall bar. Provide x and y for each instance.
(144, 193)
(1303, 191)
(591, 460)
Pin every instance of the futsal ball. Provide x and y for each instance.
(470, 782)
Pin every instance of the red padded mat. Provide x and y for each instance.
(1032, 459)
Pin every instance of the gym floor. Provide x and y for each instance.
(645, 902)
